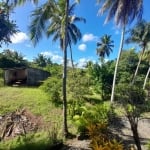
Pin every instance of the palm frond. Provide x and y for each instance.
(123, 11)
(40, 19)
(140, 34)
(21, 2)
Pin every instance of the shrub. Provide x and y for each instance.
(52, 86)
(92, 115)
(100, 138)
(75, 107)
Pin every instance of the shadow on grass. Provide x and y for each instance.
(32, 146)
(40, 145)
(30, 143)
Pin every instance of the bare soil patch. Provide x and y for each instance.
(19, 122)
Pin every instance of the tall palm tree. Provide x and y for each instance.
(104, 46)
(139, 34)
(56, 19)
(123, 12)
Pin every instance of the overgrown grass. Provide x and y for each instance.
(36, 101)
(12, 98)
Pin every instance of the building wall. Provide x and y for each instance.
(30, 76)
(12, 75)
(36, 76)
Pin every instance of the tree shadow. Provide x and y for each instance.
(93, 101)
(126, 138)
(38, 146)
(27, 143)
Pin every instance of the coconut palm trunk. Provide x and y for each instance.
(146, 77)
(65, 127)
(71, 57)
(137, 68)
(117, 62)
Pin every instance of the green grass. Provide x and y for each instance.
(12, 98)
(35, 141)
(36, 101)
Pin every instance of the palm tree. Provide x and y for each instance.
(7, 26)
(104, 46)
(56, 19)
(42, 60)
(124, 12)
(139, 34)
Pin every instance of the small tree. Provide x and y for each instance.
(132, 99)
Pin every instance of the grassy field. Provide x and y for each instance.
(12, 98)
(37, 102)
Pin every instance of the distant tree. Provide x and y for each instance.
(102, 75)
(104, 46)
(128, 63)
(9, 58)
(139, 34)
(42, 61)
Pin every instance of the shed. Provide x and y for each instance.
(23, 75)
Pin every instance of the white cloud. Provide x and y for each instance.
(19, 37)
(54, 57)
(89, 37)
(82, 62)
(82, 47)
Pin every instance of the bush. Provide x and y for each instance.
(100, 138)
(92, 115)
(130, 94)
(75, 107)
(52, 86)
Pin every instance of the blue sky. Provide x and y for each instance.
(84, 50)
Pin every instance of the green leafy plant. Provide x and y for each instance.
(92, 115)
(52, 86)
(100, 138)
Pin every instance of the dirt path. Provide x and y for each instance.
(122, 129)
(143, 129)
